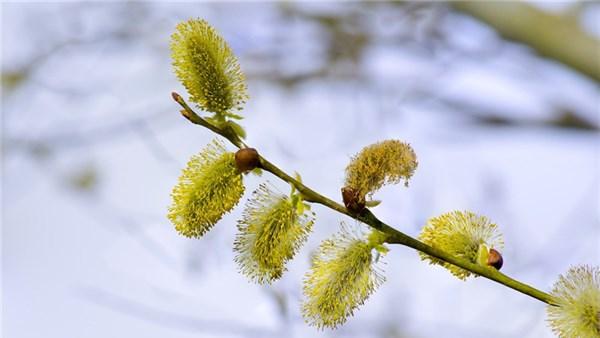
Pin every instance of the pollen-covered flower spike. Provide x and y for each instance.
(577, 309)
(271, 231)
(208, 69)
(343, 275)
(466, 235)
(374, 166)
(209, 186)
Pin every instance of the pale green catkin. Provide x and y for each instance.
(460, 233)
(379, 164)
(208, 187)
(343, 275)
(577, 309)
(271, 231)
(207, 67)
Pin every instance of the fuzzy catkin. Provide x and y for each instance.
(343, 275)
(382, 163)
(208, 187)
(207, 67)
(271, 231)
(577, 312)
(460, 233)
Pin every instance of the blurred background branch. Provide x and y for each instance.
(556, 36)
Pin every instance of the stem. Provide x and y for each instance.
(394, 236)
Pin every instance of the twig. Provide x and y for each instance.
(394, 236)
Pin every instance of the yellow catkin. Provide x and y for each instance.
(207, 67)
(343, 275)
(208, 187)
(577, 312)
(379, 164)
(460, 233)
(271, 231)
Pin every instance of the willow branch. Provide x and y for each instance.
(394, 236)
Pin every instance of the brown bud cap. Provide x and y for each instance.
(247, 159)
(176, 97)
(352, 200)
(495, 259)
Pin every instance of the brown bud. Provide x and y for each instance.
(352, 200)
(247, 159)
(495, 259)
(176, 97)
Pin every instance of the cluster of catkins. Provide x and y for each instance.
(344, 271)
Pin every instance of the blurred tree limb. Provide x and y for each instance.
(558, 37)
